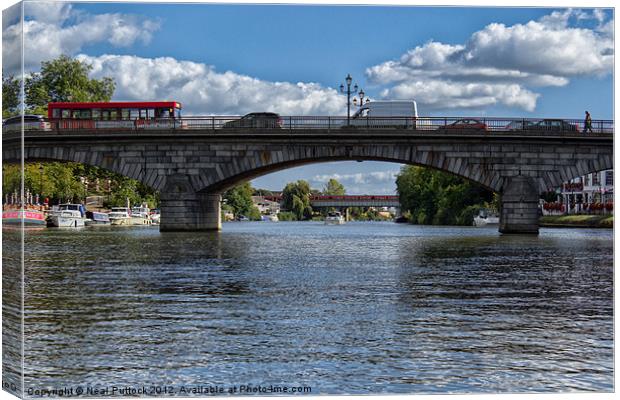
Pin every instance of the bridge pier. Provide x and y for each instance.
(200, 212)
(519, 213)
(183, 209)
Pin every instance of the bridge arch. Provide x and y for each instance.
(269, 168)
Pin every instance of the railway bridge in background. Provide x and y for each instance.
(192, 168)
(324, 201)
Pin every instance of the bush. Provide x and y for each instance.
(421, 218)
(286, 216)
(254, 214)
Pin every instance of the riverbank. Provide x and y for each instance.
(577, 221)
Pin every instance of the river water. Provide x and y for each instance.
(360, 308)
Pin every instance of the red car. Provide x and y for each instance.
(470, 124)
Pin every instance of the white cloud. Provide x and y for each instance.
(382, 182)
(437, 94)
(203, 91)
(54, 28)
(499, 63)
(51, 12)
(367, 178)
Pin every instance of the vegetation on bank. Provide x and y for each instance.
(584, 221)
(430, 197)
(67, 182)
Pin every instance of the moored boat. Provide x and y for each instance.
(141, 215)
(29, 217)
(97, 218)
(486, 217)
(334, 218)
(270, 218)
(155, 217)
(120, 216)
(67, 215)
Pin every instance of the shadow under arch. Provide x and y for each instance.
(231, 181)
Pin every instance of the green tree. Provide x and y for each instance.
(239, 199)
(296, 199)
(334, 188)
(63, 184)
(435, 197)
(10, 96)
(11, 179)
(65, 79)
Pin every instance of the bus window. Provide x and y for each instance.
(105, 115)
(150, 113)
(134, 113)
(83, 114)
(114, 114)
(125, 113)
(55, 113)
(164, 113)
(66, 113)
(96, 113)
(177, 113)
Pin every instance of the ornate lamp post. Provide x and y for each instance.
(84, 181)
(41, 179)
(109, 188)
(362, 94)
(348, 80)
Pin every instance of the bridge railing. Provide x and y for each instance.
(329, 123)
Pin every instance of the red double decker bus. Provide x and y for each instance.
(130, 115)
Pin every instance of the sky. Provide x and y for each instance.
(223, 59)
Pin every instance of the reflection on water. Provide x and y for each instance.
(357, 308)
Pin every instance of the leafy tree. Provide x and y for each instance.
(63, 184)
(296, 198)
(10, 96)
(65, 79)
(435, 197)
(11, 179)
(125, 189)
(239, 199)
(334, 188)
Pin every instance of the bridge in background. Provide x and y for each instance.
(192, 167)
(322, 201)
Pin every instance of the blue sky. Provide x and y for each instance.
(233, 59)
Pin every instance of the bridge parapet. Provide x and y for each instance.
(294, 124)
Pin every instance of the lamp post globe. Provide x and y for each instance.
(348, 92)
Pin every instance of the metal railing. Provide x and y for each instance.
(225, 124)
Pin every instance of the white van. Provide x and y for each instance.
(386, 113)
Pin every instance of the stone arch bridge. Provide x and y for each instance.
(191, 169)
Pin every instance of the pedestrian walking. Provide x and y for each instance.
(587, 124)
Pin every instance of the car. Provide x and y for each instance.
(519, 125)
(32, 122)
(465, 124)
(555, 125)
(256, 120)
